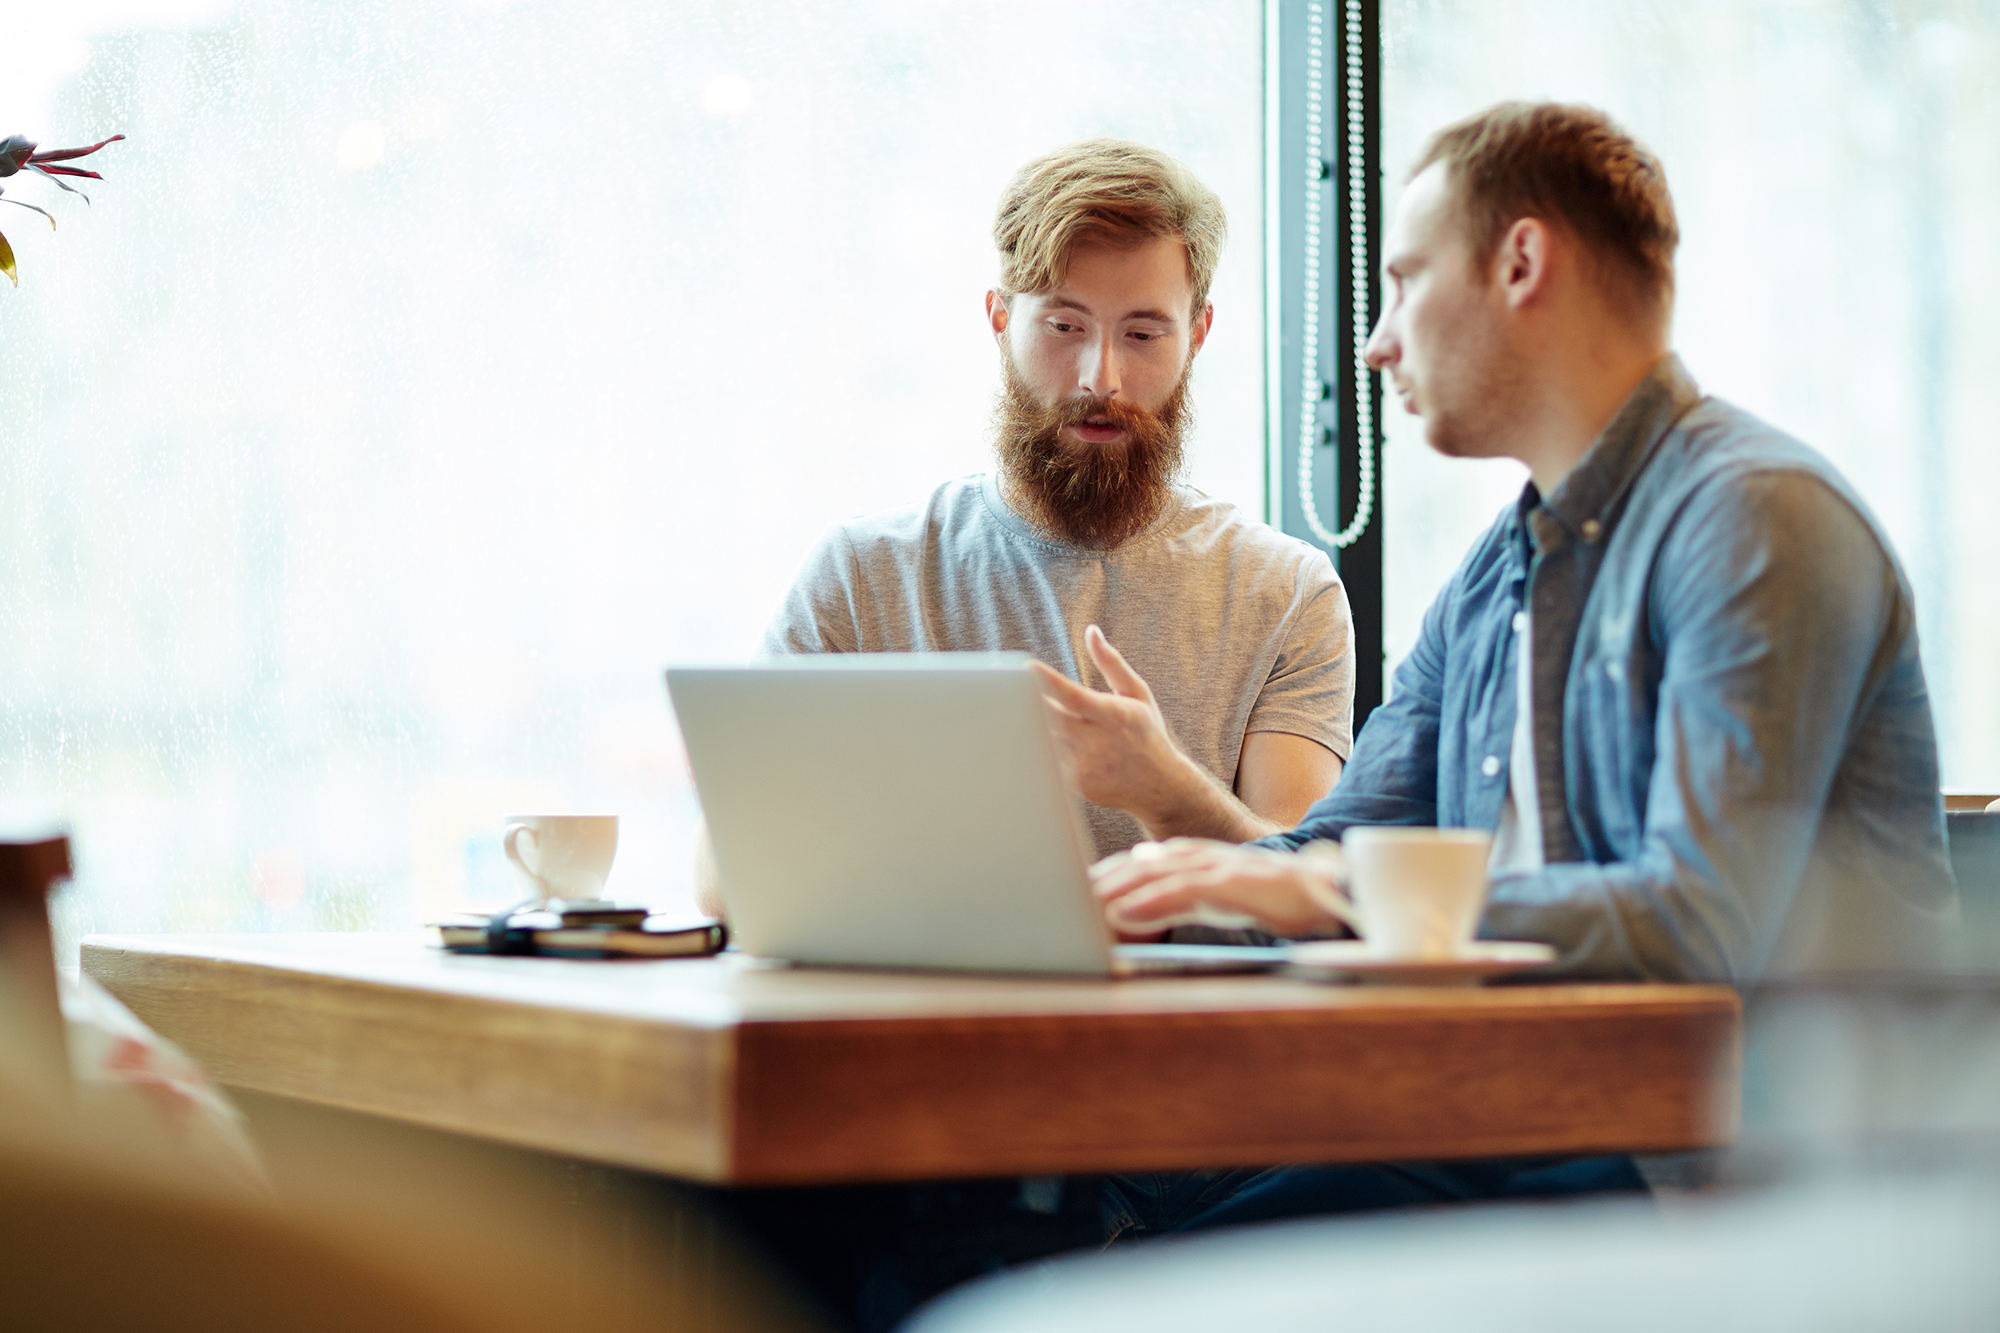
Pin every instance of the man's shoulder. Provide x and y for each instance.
(1717, 450)
(1216, 529)
(1716, 439)
(852, 593)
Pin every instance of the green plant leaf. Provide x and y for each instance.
(7, 262)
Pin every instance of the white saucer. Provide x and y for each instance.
(1355, 960)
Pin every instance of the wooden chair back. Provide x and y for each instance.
(31, 1022)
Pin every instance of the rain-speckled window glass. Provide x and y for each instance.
(429, 373)
(1834, 167)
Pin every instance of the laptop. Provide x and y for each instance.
(903, 810)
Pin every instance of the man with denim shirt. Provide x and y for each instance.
(1679, 678)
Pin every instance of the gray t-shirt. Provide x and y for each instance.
(1237, 627)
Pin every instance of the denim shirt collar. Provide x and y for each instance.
(1585, 502)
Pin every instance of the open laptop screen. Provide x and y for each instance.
(892, 810)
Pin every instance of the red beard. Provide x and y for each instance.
(1090, 495)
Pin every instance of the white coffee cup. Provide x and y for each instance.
(1412, 892)
(565, 857)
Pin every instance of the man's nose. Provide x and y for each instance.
(1379, 351)
(1099, 374)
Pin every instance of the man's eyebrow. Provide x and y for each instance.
(1071, 303)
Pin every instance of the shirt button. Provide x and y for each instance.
(1490, 766)
(1520, 621)
(1591, 527)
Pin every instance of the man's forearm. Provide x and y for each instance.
(1195, 805)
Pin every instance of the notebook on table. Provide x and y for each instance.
(903, 810)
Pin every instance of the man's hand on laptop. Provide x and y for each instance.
(1125, 758)
(1195, 880)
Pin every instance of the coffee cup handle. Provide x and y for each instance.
(1328, 887)
(510, 843)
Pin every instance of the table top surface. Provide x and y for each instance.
(739, 1069)
(734, 988)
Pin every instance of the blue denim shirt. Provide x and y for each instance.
(1734, 758)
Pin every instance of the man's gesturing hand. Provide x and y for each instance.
(1158, 884)
(1125, 757)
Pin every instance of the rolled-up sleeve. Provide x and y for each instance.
(1310, 691)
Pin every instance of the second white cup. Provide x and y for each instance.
(1413, 892)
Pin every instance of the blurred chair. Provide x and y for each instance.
(91, 1240)
(1858, 1256)
(94, 1239)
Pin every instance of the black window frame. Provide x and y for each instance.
(1350, 42)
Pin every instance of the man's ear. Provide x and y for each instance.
(1198, 331)
(1521, 261)
(996, 310)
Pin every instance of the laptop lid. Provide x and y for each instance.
(903, 810)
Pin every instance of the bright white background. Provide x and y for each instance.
(429, 374)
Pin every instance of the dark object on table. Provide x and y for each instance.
(608, 932)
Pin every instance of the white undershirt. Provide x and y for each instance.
(1517, 841)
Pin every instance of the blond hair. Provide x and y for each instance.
(1105, 191)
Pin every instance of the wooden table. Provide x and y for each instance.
(731, 1069)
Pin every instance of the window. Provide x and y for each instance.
(1322, 176)
(426, 376)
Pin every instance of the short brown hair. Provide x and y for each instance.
(1568, 164)
(1105, 190)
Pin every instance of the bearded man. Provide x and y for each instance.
(1083, 538)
